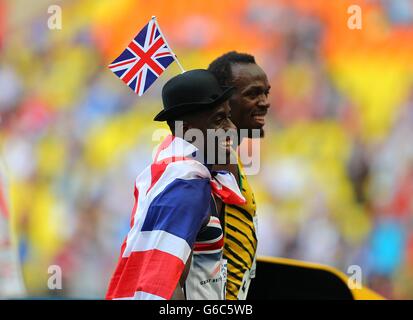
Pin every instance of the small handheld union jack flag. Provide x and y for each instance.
(145, 59)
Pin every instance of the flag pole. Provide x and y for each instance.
(173, 53)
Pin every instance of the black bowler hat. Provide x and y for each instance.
(191, 91)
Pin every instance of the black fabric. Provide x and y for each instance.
(191, 91)
(284, 281)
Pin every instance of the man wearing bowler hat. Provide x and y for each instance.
(174, 247)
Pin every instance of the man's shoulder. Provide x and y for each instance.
(187, 168)
(188, 180)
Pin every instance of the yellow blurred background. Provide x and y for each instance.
(336, 174)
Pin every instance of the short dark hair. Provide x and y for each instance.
(221, 66)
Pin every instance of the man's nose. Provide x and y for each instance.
(264, 102)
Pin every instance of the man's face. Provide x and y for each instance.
(249, 104)
(217, 129)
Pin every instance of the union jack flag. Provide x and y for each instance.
(172, 200)
(144, 60)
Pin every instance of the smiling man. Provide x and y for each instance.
(249, 105)
(175, 244)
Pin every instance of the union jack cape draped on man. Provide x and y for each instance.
(144, 60)
(172, 198)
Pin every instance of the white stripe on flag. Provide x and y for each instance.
(163, 241)
(186, 170)
(228, 180)
(178, 147)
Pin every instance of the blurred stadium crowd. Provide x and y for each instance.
(336, 178)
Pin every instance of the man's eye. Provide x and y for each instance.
(254, 93)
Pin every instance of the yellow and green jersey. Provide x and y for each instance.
(240, 241)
